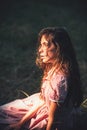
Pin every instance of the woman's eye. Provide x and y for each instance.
(44, 44)
(47, 44)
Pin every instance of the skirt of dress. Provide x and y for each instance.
(13, 112)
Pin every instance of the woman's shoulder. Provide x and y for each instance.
(59, 76)
(59, 79)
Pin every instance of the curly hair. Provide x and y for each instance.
(65, 61)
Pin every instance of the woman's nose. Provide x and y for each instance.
(40, 49)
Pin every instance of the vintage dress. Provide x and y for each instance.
(52, 90)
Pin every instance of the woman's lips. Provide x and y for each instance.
(43, 55)
(43, 58)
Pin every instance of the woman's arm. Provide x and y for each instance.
(52, 110)
(29, 114)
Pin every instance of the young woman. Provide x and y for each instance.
(60, 88)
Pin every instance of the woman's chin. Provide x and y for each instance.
(45, 61)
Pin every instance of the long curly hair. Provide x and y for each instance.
(65, 62)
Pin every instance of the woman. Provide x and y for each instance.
(60, 88)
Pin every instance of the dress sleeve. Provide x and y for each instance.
(58, 88)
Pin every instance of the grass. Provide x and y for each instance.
(20, 24)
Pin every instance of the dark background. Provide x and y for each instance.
(20, 23)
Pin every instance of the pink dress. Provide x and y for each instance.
(54, 90)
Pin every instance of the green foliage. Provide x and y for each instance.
(20, 23)
(84, 105)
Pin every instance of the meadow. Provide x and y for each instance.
(20, 23)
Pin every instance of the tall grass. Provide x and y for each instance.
(20, 24)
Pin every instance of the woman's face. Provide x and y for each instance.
(47, 51)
